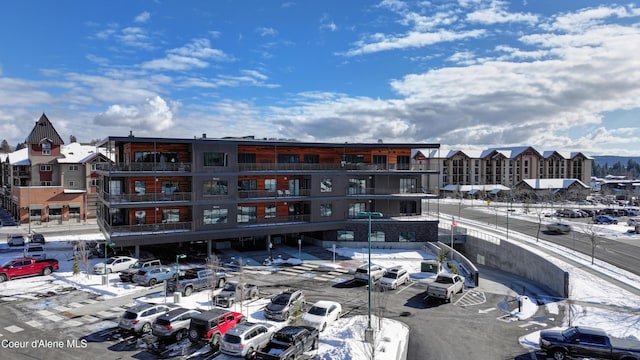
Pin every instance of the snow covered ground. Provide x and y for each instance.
(614, 309)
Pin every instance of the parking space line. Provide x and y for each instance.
(13, 329)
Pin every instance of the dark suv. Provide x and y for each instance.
(37, 239)
(284, 304)
(210, 326)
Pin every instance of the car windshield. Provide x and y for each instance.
(231, 339)
(110, 261)
(7, 264)
(568, 333)
(282, 299)
(317, 310)
(391, 275)
(229, 287)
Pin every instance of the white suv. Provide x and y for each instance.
(114, 264)
(377, 272)
(394, 277)
(35, 251)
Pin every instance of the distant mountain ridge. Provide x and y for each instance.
(609, 160)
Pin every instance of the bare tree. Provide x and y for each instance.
(214, 265)
(539, 212)
(595, 240)
(81, 254)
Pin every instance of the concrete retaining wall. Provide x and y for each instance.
(513, 258)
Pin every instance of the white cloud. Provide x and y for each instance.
(196, 54)
(496, 13)
(267, 31)
(144, 17)
(154, 115)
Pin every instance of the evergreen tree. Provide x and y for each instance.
(20, 146)
(76, 266)
(72, 139)
(5, 147)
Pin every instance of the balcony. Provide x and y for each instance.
(145, 167)
(325, 167)
(257, 194)
(144, 228)
(150, 197)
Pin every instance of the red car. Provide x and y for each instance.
(27, 267)
(210, 326)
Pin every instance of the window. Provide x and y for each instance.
(141, 217)
(377, 236)
(403, 162)
(357, 186)
(246, 158)
(380, 159)
(408, 186)
(356, 208)
(170, 215)
(407, 236)
(93, 167)
(73, 184)
(247, 185)
(311, 159)
(216, 187)
(169, 187)
(325, 210)
(326, 185)
(73, 167)
(46, 148)
(215, 159)
(270, 185)
(45, 183)
(45, 167)
(408, 208)
(269, 211)
(354, 158)
(344, 235)
(140, 187)
(247, 214)
(288, 158)
(215, 216)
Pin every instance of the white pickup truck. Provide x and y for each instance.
(445, 285)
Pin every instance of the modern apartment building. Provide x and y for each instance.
(48, 181)
(236, 191)
(499, 168)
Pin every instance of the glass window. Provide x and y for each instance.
(247, 185)
(246, 158)
(246, 214)
(288, 158)
(140, 187)
(169, 187)
(409, 236)
(141, 217)
(270, 185)
(357, 186)
(216, 187)
(215, 159)
(46, 148)
(215, 216)
(377, 236)
(170, 216)
(269, 211)
(325, 209)
(408, 186)
(73, 184)
(311, 159)
(73, 167)
(45, 167)
(356, 208)
(326, 185)
(344, 235)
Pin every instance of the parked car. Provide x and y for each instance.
(322, 314)
(15, 268)
(113, 264)
(126, 275)
(173, 325)
(445, 285)
(15, 240)
(377, 272)
(196, 279)
(290, 342)
(234, 291)
(587, 342)
(152, 275)
(394, 277)
(284, 304)
(210, 326)
(37, 239)
(559, 228)
(137, 320)
(604, 219)
(632, 221)
(35, 251)
(245, 338)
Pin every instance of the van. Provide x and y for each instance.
(36, 251)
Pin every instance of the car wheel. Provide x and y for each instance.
(315, 344)
(179, 335)
(249, 354)
(559, 355)
(46, 271)
(109, 271)
(215, 342)
(323, 327)
(254, 295)
(229, 303)
(146, 328)
(3, 278)
(194, 335)
(285, 315)
(188, 291)
(152, 282)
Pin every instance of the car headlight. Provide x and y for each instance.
(544, 343)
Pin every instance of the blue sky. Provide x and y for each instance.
(471, 74)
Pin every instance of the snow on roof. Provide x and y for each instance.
(476, 188)
(20, 157)
(75, 153)
(552, 183)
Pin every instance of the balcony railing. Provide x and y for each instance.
(145, 166)
(249, 194)
(146, 228)
(150, 197)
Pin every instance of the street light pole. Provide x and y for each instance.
(369, 215)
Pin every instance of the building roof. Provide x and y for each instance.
(74, 153)
(44, 130)
(542, 184)
(20, 157)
